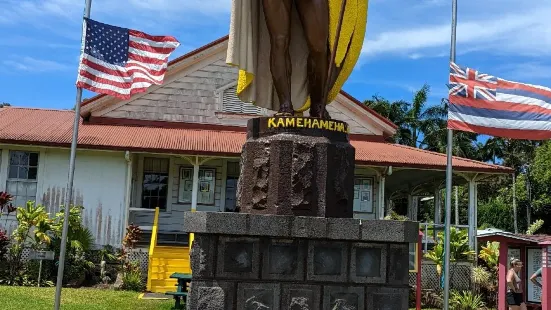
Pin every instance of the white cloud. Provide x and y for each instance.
(521, 31)
(202, 6)
(26, 41)
(30, 64)
(524, 71)
(15, 11)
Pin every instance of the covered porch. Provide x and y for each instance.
(384, 173)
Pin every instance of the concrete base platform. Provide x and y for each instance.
(245, 261)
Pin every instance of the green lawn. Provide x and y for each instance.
(21, 298)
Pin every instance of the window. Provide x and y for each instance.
(232, 104)
(155, 183)
(207, 182)
(22, 176)
(363, 195)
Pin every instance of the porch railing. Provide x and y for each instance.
(152, 246)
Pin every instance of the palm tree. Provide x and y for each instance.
(416, 120)
(492, 149)
(420, 119)
(435, 131)
(394, 111)
(413, 119)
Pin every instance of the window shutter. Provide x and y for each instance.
(232, 104)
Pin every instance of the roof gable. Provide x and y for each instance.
(188, 80)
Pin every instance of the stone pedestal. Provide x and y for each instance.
(294, 245)
(297, 166)
(250, 262)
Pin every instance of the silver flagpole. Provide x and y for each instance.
(69, 196)
(449, 178)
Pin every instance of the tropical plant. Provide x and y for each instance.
(132, 280)
(459, 248)
(490, 254)
(534, 227)
(79, 237)
(5, 203)
(492, 149)
(466, 300)
(431, 298)
(132, 237)
(4, 243)
(79, 241)
(34, 224)
(415, 119)
(396, 112)
(34, 230)
(481, 276)
(106, 254)
(130, 271)
(396, 217)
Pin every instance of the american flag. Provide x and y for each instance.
(121, 62)
(485, 104)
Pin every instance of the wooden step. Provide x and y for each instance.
(170, 267)
(161, 275)
(171, 247)
(165, 261)
(162, 289)
(162, 261)
(168, 253)
(163, 282)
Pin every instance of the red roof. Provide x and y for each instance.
(54, 128)
(513, 238)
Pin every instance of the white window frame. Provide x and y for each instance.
(139, 178)
(39, 165)
(358, 192)
(187, 171)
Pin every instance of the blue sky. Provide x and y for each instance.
(407, 42)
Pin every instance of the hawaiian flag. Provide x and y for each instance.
(121, 62)
(484, 104)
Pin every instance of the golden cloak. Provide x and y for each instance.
(249, 50)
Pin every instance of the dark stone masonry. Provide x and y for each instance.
(297, 166)
(294, 245)
(342, 264)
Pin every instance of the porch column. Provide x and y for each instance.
(413, 205)
(546, 276)
(472, 214)
(437, 212)
(502, 275)
(475, 215)
(437, 206)
(195, 188)
(128, 190)
(382, 197)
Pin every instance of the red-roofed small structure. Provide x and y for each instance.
(535, 252)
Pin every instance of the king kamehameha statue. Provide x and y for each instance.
(294, 243)
(294, 56)
(285, 50)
